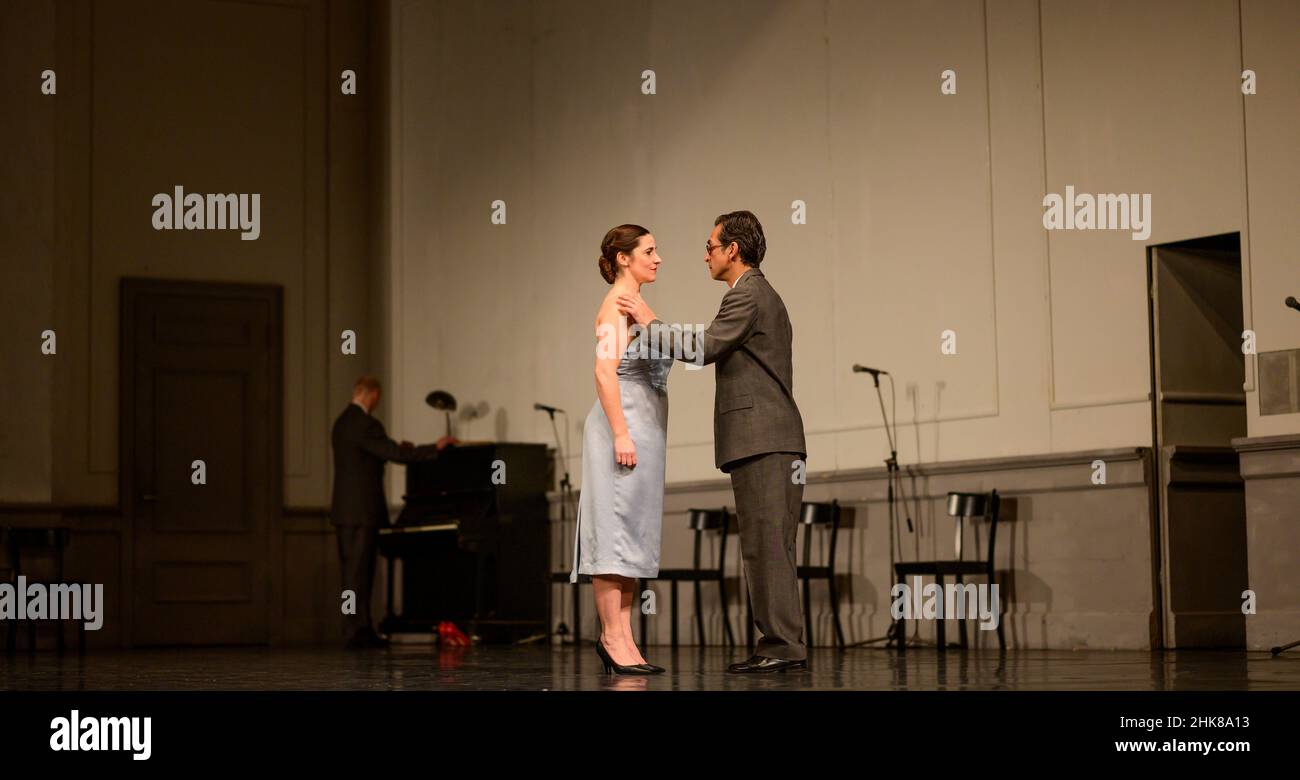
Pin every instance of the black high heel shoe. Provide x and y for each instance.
(611, 667)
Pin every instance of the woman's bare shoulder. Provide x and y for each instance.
(608, 313)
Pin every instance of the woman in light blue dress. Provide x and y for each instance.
(620, 513)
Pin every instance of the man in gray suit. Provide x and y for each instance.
(757, 429)
(358, 506)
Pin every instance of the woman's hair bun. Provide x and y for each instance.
(608, 269)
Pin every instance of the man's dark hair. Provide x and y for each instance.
(745, 229)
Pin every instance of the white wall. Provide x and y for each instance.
(924, 210)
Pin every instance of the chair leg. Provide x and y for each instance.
(961, 622)
(940, 625)
(726, 616)
(807, 614)
(699, 613)
(1002, 642)
(835, 610)
(60, 578)
(674, 632)
(900, 625)
(577, 614)
(640, 607)
(749, 622)
(389, 617)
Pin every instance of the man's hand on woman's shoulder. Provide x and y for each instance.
(635, 306)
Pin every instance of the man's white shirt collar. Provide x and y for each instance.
(742, 273)
(361, 406)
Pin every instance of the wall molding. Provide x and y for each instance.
(1075, 561)
(1287, 441)
(933, 469)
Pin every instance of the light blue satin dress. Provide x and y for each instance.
(620, 511)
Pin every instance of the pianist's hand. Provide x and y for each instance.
(447, 441)
(406, 445)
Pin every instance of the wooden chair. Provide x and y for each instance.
(54, 541)
(961, 507)
(812, 516)
(702, 521)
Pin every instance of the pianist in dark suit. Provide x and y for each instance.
(358, 507)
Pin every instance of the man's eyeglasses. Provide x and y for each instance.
(709, 246)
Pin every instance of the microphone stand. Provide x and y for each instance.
(566, 491)
(1283, 648)
(895, 634)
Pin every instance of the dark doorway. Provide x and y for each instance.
(1199, 406)
(201, 378)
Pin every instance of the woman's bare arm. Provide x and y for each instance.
(611, 341)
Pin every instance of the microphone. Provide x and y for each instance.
(1292, 302)
(547, 409)
(875, 372)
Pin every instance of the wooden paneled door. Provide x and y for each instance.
(202, 443)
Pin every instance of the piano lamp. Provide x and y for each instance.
(443, 401)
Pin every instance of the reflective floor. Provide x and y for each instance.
(424, 667)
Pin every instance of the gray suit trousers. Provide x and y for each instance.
(768, 502)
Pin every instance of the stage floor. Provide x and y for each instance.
(424, 667)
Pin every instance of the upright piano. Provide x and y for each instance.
(473, 540)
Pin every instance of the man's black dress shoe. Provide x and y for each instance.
(760, 664)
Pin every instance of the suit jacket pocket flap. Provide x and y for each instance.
(737, 402)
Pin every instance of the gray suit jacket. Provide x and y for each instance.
(753, 403)
(361, 447)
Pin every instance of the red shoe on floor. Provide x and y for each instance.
(450, 636)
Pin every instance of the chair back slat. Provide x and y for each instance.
(709, 520)
(968, 506)
(994, 510)
(814, 513)
(817, 513)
